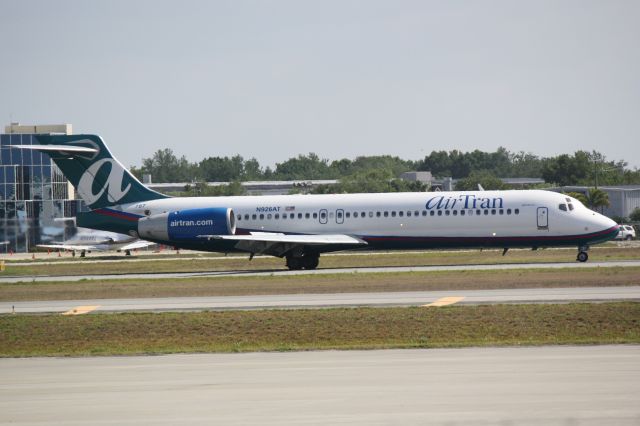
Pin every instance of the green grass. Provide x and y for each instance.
(283, 330)
(189, 263)
(330, 283)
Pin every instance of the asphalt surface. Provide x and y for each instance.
(415, 298)
(563, 385)
(280, 272)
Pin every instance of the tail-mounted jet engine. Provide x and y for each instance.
(186, 225)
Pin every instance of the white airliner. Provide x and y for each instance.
(301, 227)
(88, 240)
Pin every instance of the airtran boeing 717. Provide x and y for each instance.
(301, 227)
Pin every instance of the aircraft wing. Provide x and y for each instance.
(136, 245)
(278, 244)
(70, 247)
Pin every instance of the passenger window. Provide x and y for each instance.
(516, 211)
(501, 211)
(292, 215)
(439, 212)
(323, 215)
(386, 214)
(370, 214)
(461, 212)
(284, 216)
(246, 217)
(253, 216)
(315, 215)
(261, 216)
(478, 212)
(408, 213)
(563, 207)
(470, 212)
(424, 212)
(455, 212)
(401, 213)
(277, 216)
(307, 215)
(493, 211)
(348, 215)
(393, 214)
(339, 214)
(355, 214)
(269, 216)
(508, 211)
(239, 217)
(416, 213)
(432, 213)
(299, 215)
(377, 214)
(363, 214)
(447, 212)
(486, 212)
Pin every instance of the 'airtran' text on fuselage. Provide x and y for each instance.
(466, 201)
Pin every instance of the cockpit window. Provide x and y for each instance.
(570, 207)
(563, 207)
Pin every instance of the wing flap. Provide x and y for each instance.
(276, 244)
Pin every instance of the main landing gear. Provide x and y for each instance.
(306, 261)
(583, 256)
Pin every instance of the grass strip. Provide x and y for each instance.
(321, 284)
(124, 265)
(284, 330)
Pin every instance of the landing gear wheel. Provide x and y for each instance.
(294, 263)
(311, 262)
(583, 256)
(305, 262)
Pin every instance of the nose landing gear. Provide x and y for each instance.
(583, 256)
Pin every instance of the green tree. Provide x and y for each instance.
(304, 167)
(164, 166)
(486, 179)
(597, 198)
(635, 215)
(579, 196)
(566, 170)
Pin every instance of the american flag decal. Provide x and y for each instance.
(289, 208)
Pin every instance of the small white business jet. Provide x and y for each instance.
(301, 227)
(88, 240)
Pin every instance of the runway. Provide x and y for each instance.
(290, 301)
(281, 272)
(563, 385)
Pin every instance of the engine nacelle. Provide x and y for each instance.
(185, 225)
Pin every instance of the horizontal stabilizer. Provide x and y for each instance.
(66, 149)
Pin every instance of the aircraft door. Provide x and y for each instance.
(323, 216)
(339, 216)
(543, 218)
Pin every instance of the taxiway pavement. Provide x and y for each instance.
(562, 385)
(290, 301)
(281, 272)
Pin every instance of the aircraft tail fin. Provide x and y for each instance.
(100, 179)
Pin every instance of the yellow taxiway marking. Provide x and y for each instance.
(445, 301)
(81, 310)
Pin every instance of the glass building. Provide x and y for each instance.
(33, 191)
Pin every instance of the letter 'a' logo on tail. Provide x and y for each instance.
(100, 179)
(113, 186)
